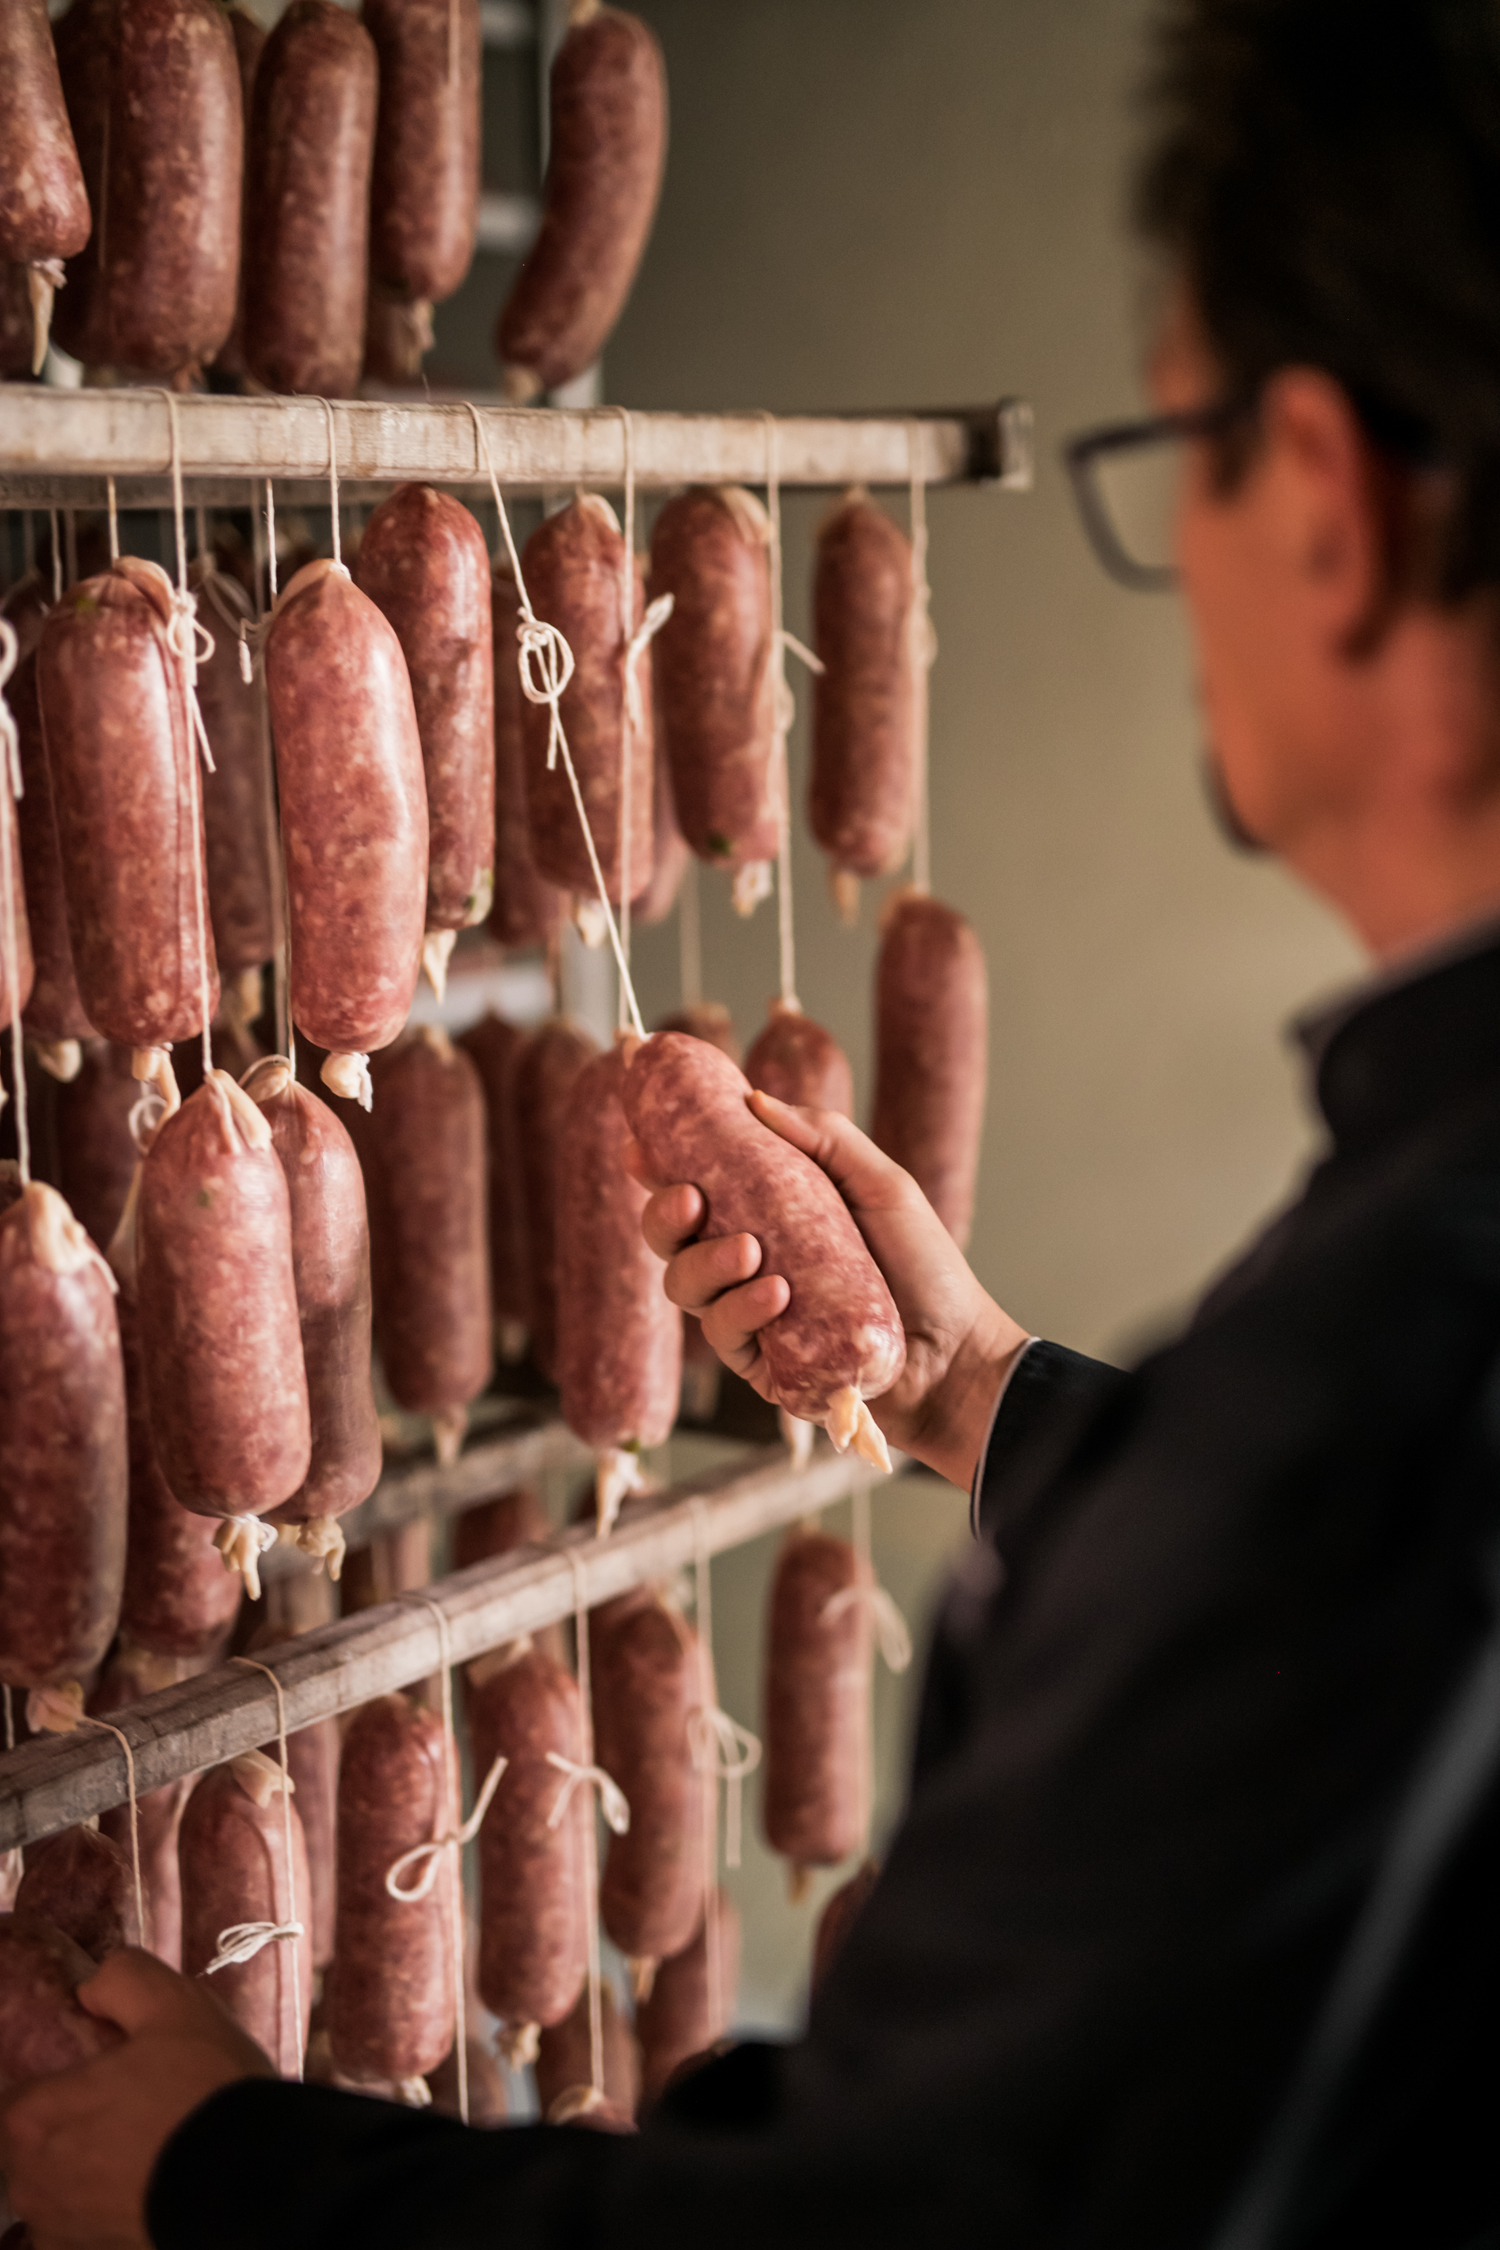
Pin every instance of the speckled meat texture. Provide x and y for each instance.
(651, 1680)
(709, 1020)
(526, 911)
(572, 571)
(498, 1527)
(16, 965)
(169, 235)
(607, 152)
(44, 209)
(312, 141)
(232, 1852)
(43, 2028)
(390, 1991)
(353, 804)
(121, 756)
(686, 1104)
(54, 1010)
(226, 1390)
(249, 40)
(862, 800)
(669, 851)
(799, 1062)
(424, 564)
(841, 1910)
(565, 2056)
(931, 1029)
(815, 1802)
(679, 2019)
(533, 1931)
(84, 40)
(96, 1153)
(331, 1269)
(237, 810)
(495, 1049)
(545, 1080)
(131, 1673)
(714, 673)
(424, 196)
(80, 1882)
(425, 1157)
(62, 1447)
(619, 1339)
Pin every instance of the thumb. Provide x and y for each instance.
(865, 1177)
(135, 1990)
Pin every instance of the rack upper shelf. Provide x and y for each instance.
(57, 447)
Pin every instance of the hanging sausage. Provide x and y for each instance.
(495, 1048)
(817, 1706)
(862, 796)
(424, 194)
(233, 1853)
(545, 1078)
(54, 1016)
(527, 911)
(44, 209)
(651, 1680)
(931, 1023)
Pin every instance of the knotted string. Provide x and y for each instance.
(10, 904)
(182, 636)
(611, 1796)
(60, 1711)
(243, 1940)
(923, 657)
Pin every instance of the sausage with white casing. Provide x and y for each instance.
(862, 795)
(353, 815)
(233, 1855)
(424, 195)
(526, 911)
(817, 1708)
(545, 1079)
(931, 1025)
(44, 209)
(606, 154)
(839, 1341)
(63, 1465)
(495, 1048)
(238, 817)
(652, 1679)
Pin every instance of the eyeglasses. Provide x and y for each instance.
(1127, 479)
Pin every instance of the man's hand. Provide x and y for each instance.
(959, 1344)
(79, 2149)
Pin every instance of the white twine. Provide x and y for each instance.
(60, 1711)
(544, 645)
(10, 904)
(721, 1750)
(783, 713)
(243, 1940)
(611, 1796)
(114, 519)
(590, 1832)
(183, 636)
(429, 1856)
(892, 1632)
(57, 564)
(923, 657)
(634, 643)
(263, 553)
(333, 485)
(253, 1935)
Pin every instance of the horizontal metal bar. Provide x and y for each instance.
(55, 1780)
(58, 445)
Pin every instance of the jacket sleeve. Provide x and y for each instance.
(1049, 1396)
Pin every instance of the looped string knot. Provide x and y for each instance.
(544, 647)
(727, 1752)
(645, 633)
(430, 1855)
(891, 1630)
(611, 1796)
(243, 1940)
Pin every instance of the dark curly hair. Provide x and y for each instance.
(1326, 176)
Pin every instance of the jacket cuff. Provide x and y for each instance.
(1046, 1384)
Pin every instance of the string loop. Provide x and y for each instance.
(725, 1751)
(611, 1796)
(429, 1856)
(243, 1940)
(892, 1633)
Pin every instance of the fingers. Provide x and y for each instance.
(139, 1993)
(704, 1270)
(672, 1218)
(733, 1322)
(861, 1172)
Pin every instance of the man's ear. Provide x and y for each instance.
(1341, 510)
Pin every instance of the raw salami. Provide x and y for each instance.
(931, 1022)
(234, 1870)
(44, 209)
(545, 1079)
(817, 1711)
(862, 798)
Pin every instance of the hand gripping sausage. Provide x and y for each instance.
(232, 1852)
(931, 1024)
(43, 2028)
(526, 911)
(225, 1384)
(312, 141)
(331, 1271)
(63, 1464)
(44, 208)
(839, 1341)
(652, 1680)
(84, 41)
(249, 35)
(495, 1048)
(572, 571)
(353, 808)
(706, 1019)
(619, 1338)
(425, 1171)
(565, 2060)
(424, 564)
(817, 1711)
(55, 1017)
(131, 1673)
(424, 195)
(238, 818)
(715, 681)
(533, 1928)
(607, 152)
(841, 1910)
(120, 754)
(545, 1079)
(862, 800)
(389, 2003)
(691, 2004)
(799, 1062)
(80, 1883)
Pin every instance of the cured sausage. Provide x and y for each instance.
(44, 209)
(312, 141)
(487, 2103)
(565, 2059)
(131, 1673)
(715, 681)
(54, 1015)
(545, 1079)
(424, 195)
(607, 152)
(839, 1341)
(425, 1162)
(80, 1882)
(312, 1757)
(651, 1679)
(840, 1912)
(62, 1446)
(817, 1710)
(533, 1929)
(619, 1339)
(353, 810)
(424, 564)
(495, 1048)
(225, 1386)
(526, 911)
(43, 2028)
(83, 40)
(572, 567)
(389, 2006)
(669, 851)
(931, 1028)
(799, 1062)
(862, 799)
(331, 1272)
(96, 1151)
(249, 39)
(232, 1852)
(706, 1019)
(120, 754)
(691, 2004)
(237, 814)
